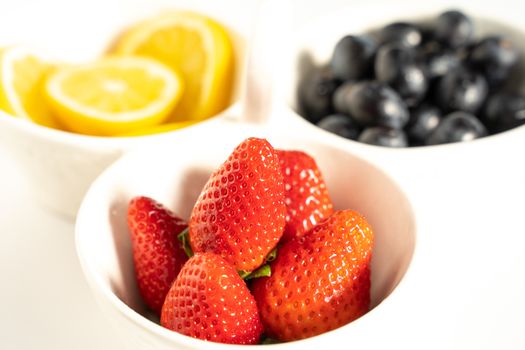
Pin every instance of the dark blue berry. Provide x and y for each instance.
(457, 127)
(341, 98)
(315, 92)
(495, 57)
(461, 89)
(505, 111)
(341, 125)
(423, 121)
(396, 66)
(353, 57)
(402, 33)
(372, 103)
(438, 60)
(454, 29)
(381, 136)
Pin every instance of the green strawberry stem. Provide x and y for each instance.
(184, 238)
(263, 271)
(272, 255)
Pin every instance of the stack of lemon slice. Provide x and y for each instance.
(22, 80)
(164, 73)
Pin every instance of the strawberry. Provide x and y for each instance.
(210, 301)
(240, 214)
(319, 281)
(306, 197)
(157, 253)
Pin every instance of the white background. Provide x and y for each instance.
(45, 302)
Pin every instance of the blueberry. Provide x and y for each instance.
(396, 66)
(457, 127)
(495, 56)
(427, 32)
(353, 57)
(341, 98)
(454, 29)
(505, 111)
(461, 89)
(423, 121)
(402, 33)
(438, 60)
(372, 103)
(381, 136)
(315, 94)
(341, 125)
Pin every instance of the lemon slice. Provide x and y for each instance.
(114, 95)
(157, 129)
(197, 47)
(22, 75)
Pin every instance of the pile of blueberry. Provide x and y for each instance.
(413, 85)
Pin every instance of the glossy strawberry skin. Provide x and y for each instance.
(157, 253)
(320, 281)
(240, 214)
(306, 196)
(210, 301)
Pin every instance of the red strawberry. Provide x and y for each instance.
(240, 214)
(306, 197)
(319, 281)
(210, 301)
(157, 252)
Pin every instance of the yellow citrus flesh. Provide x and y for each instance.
(22, 76)
(197, 47)
(114, 95)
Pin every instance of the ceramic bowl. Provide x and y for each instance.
(59, 166)
(102, 236)
(313, 41)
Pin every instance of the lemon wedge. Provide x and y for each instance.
(114, 95)
(197, 47)
(22, 75)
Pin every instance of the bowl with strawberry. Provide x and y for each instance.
(254, 237)
(74, 97)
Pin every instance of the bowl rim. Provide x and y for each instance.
(516, 135)
(105, 143)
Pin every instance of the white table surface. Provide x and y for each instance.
(45, 302)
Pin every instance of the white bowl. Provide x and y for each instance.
(102, 235)
(313, 41)
(59, 166)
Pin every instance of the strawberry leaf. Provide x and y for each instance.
(243, 273)
(184, 238)
(272, 255)
(263, 271)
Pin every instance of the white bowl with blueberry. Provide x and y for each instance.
(399, 78)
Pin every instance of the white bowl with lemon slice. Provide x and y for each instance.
(145, 72)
